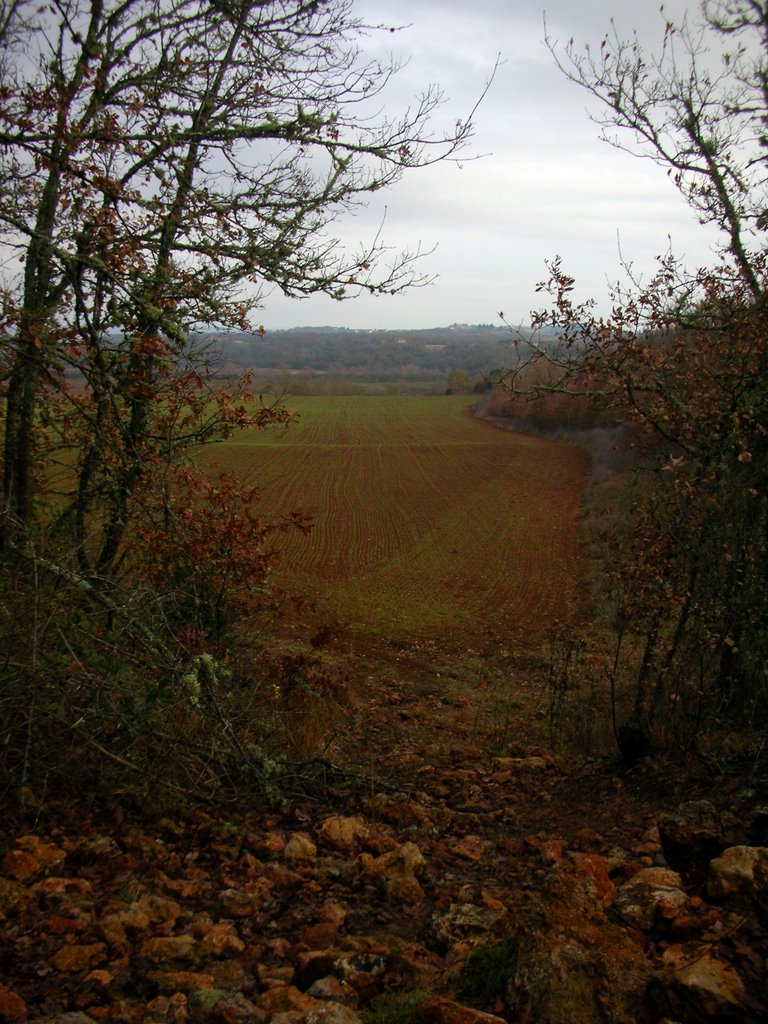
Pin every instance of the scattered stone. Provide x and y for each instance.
(343, 833)
(330, 988)
(79, 958)
(74, 1017)
(739, 870)
(397, 870)
(240, 904)
(181, 981)
(591, 871)
(512, 764)
(324, 1013)
(551, 850)
(60, 925)
(397, 810)
(281, 876)
(319, 936)
(300, 848)
(284, 998)
(373, 972)
(333, 870)
(91, 849)
(222, 939)
(238, 940)
(406, 860)
(55, 887)
(212, 1006)
(12, 1006)
(465, 921)
(99, 977)
(114, 935)
(149, 910)
(230, 974)
(334, 912)
(469, 848)
(268, 846)
(14, 898)
(698, 982)
(406, 890)
(21, 865)
(695, 834)
(138, 918)
(572, 963)
(316, 964)
(165, 1010)
(48, 855)
(437, 1010)
(165, 949)
(651, 895)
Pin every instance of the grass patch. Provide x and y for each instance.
(486, 974)
(395, 1008)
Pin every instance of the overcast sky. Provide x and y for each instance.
(547, 187)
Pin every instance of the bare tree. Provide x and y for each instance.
(162, 162)
(698, 108)
(684, 359)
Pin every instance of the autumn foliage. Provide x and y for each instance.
(164, 165)
(686, 574)
(211, 552)
(682, 361)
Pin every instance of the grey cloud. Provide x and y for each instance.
(549, 186)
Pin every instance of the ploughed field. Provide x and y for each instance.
(427, 522)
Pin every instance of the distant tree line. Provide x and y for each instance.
(368, 355)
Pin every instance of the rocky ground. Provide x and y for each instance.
(474, 884)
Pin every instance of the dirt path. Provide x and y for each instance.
(243, 914)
